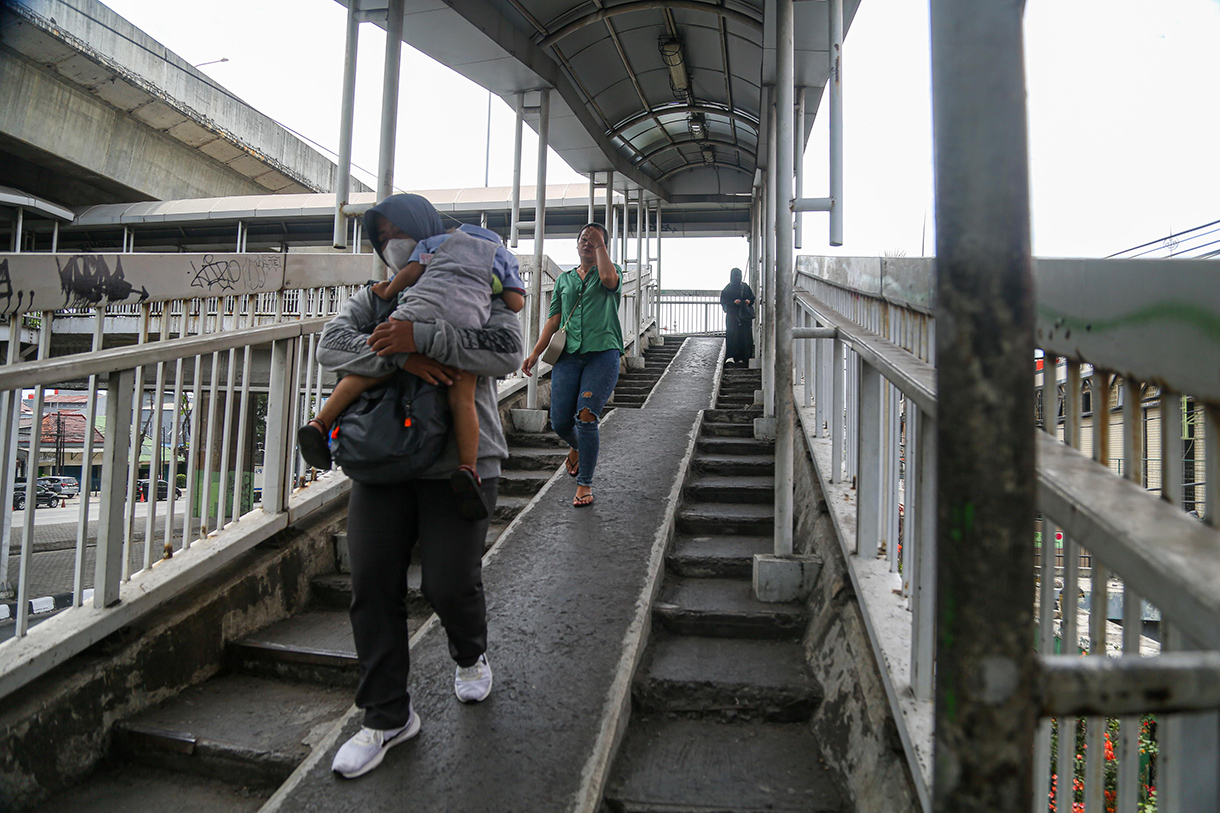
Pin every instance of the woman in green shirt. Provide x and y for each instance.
(586, 300)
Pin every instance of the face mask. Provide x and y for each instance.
(397, 252)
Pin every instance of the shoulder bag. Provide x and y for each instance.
(555, 347)
(745, 311)
(392, 432)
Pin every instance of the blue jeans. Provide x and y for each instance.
(582, 381)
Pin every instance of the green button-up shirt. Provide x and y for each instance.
(594, 326)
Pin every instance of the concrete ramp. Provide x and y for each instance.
(569, 592)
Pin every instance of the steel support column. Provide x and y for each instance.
(544, 126)
(347, 114)
(836, 122)
(768, 325)
(514, 228)
(639, 272)
(986, 711)
(784, 85)
(389, 98)
(799, 158)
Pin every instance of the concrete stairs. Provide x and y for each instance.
(634, 386)
(722, 700)
(227, 744)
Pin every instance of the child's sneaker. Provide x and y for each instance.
(311, 439)
(465, 484)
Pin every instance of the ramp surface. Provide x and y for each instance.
(568, 594)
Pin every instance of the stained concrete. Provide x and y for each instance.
(568, 591)
(760, 767)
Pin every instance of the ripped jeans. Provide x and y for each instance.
(581, 381)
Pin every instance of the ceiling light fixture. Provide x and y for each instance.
(671, 55)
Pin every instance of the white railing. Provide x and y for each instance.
(685, 312)
(869, 410)
(208, 395)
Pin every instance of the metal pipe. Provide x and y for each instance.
(544, 126)
(836, 122)
(515, 226)
(985, 711)
(658, 274)
(20, 224)
(347, 115)
(799, 158)
(55, 237)
(815, 333)
(389, 97)
(813, 205)
(609, 206)
(592, 194)
(784, 428)
(639, 272)
(767, 362)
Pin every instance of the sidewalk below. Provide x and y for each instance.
(569, 593)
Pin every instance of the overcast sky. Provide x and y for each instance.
(1123, 118)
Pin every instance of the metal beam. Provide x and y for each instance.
(986, 712)
(784, 275)
(389, 98)
(544, 124)
(753, 24)
(1172, 682)
(347, 114)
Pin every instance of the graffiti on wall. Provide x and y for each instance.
(10, 299)
(231, 273)
(87, 281)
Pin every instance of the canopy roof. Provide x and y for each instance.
(666, 93)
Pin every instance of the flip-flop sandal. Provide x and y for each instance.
(583, 501)
(465, 484)
(311, 439)
(573, 470)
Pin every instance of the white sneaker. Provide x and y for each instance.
(472, 684)
(364, 752)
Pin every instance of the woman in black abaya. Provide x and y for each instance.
(738, 302)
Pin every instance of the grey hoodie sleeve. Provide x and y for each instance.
(344, 345)
(494, 350)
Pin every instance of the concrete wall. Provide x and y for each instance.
(86, 45)
(854, 722)
(53, 732)
(102, 144)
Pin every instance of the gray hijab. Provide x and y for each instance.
(414, 214)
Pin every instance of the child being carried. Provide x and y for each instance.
(452, 276)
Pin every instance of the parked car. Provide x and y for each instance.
(43, 496)
(65, 486)
(162, 490)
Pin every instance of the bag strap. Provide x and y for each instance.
(584, 285)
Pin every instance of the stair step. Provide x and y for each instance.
(727, 518)
(710, 557)
(667, 765)
(730, 464)
(508, 506)
(727, 679)
(524, 459)
(736, 446)
(533, 440)
(313, 647)
(732, 415)
(244, 729)
(739, 489)
(523, 482)
(727, 430)
(725, 608)
(124, 788)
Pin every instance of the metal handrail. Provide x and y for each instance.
(877, 334)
